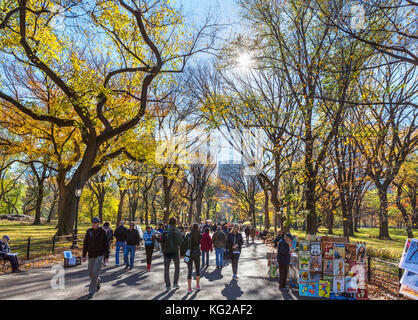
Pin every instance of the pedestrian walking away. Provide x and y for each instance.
(132, 244)
(253, 233)
(247, 234)
(120, 235)
(234, 243)
(96, 246)
(206, 246)
(171, 240)
(109, 233)
(219, 243)
(191, 251)
(149, 240)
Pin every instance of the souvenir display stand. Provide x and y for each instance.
(331, 267)
(409, 262)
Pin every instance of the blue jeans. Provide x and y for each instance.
(205, 253)
(219, 252)
(119, 244)
(129, 250)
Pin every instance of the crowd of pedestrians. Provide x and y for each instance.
(174, 243)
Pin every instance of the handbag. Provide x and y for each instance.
(187, 256)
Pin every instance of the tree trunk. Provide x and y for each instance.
(154, 210)
(207, 210)
(311, 218)
(101, 210)
(52, 209)
(199, 200)
(38, 206)
(120, 207)
(408, 222)
(79, 179)
(383, 215)
(166, 192)
(330, 222)
(190, 213)
(266, 209)
(146, 206)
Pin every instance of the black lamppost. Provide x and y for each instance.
(77, 197)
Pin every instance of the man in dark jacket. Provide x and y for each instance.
(283, 258)
(120, 235)
(171, 240)
(96, 245)
(6, 255)
(132, 244)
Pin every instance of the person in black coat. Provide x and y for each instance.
(283, 257)
(192, 243)
(234, 244)
(132, 244)
(120, 235)
(96, 245)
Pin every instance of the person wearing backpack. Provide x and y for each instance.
(206, 245)
(234, 243)
(219, 242)
(191, 251)
(109, 234)
(149, 240)
(171, 240)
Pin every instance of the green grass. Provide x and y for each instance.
(21, 230)
(379, 248)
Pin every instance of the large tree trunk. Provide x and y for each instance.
(146, 206)
(408, 222)
(207, 210)
(311, 218)
(154, 210)
(52, 209)
(79, 179)
(166, 196)
(199, 201)
(383, 215)
(38, 206)
(266, 209)
(120, 206)
(330, 222)
(310, 176)
(190, 212)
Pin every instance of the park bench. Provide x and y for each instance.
(3, 264)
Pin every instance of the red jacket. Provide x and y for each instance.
(206, 242)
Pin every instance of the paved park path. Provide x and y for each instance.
(140, 284)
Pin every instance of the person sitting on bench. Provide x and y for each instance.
(6, 255)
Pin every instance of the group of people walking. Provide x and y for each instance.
(174, 243)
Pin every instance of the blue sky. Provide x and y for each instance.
(226, 10)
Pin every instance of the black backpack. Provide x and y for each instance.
(168, 241)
